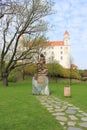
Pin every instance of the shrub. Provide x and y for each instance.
(30, 69)
(15, 75)
(56, 70)
(84, 74)
(75, 74)
(84, 78)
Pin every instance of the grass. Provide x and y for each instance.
(20, 110)
(78, 93)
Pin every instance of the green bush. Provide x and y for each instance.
(20, 73)
(15, 75)
(12, 78)
(30, 69)
(75, 74)
(56, 70)
(84, 78)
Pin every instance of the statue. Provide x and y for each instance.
(40, 79)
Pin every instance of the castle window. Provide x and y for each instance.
(52, 53)
(52, 58)
(61, 57)
(61, 52)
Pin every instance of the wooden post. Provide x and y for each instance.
(67, 91)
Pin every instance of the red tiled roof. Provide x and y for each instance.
(74, 66)
(66, 32)
(55, 43)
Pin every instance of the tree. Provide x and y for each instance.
(26, 18)
(6, 7)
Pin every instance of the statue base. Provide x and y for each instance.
(40, 86)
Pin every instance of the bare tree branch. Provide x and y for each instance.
(18, 19)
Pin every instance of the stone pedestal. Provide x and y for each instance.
(41, 79)
(40, 86)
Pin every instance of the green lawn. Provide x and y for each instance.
(20, 110)
(78, 93)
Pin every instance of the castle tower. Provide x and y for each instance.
(67, 54)
(66, 38)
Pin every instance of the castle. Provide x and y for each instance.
(59, 51)
(56, 51)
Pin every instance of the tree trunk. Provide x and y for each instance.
(5, 79)
(23, 74)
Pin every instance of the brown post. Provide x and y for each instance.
(67, 91)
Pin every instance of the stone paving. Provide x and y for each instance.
(68, 115)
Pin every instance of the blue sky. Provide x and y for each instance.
(71, 15)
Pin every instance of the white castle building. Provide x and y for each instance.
(59, 51)
(55, 51)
